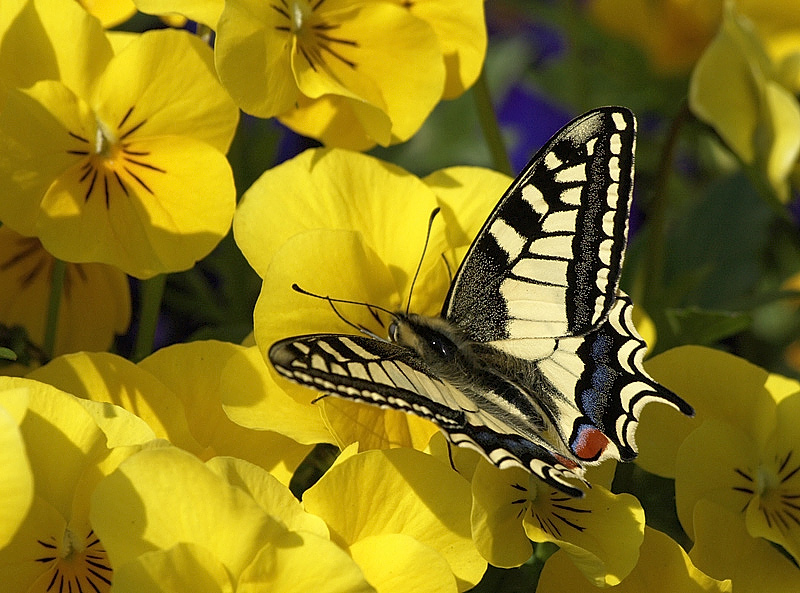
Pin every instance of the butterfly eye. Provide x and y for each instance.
(393, 331)
(442, 346)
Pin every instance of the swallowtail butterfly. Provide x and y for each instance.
(534, 361)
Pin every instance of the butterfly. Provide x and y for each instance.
(534, 360)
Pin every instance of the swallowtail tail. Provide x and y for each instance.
(534, 361)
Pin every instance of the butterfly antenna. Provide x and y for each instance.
(331, 301)
(422, 257)
(449, 269)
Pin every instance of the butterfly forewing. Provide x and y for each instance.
(384, 374)
(547, 261)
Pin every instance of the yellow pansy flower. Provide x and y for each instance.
(120, 162)
(177, 391)
(70, 444)
(737, 88)
(232, 528)
(601, 532)
(417, 537)
(663, 567)
(95, 298)
(739, 452)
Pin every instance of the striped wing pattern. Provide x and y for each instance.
(389, 376)
(547, 261)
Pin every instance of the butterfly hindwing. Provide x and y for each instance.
(547, 261)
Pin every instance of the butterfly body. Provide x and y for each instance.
(534, 361)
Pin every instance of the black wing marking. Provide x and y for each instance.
(389, 376)
(547, 261)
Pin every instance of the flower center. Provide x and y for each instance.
(104, 140)
(78, 564)
(300, 11)
(766, 480)
(315, 39)
(110, 165)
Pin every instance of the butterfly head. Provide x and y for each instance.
(433, 339)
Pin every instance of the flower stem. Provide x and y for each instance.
(151, 292)
(57, 275)
(490, 126)
(651, 281)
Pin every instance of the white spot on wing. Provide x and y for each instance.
(572, 195)
(615, 143)
(619, 121)
(534, 197)
(553, 246)
(563, 221)
(551, 161)
(613, 168)
(573, 174)
(507, 238)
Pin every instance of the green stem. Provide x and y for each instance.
(489, 125)
(151, 292)
(57, 276)
(652, 278)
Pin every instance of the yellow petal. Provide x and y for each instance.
(110, 12)
(716, 384)
(339, 121)
(601, 532)
(183, 567)
(301, 562)
(496, 517)
(174, 90)
(52, 40)
(95, 299)
(397, 563)
(461, 29)
(397, 52)
(135, 510)
(275, 498)
(420, 497)
(717, 462)
(252, 398)
(195, 372)
(105, 377)
(724, 550)
(782, 118)
(315, 190)
(16, 482)
(467, 195)
(726, 85)
(34, 137)
(374, 428)
(663, 567)
(253, 58)
(57, 422)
